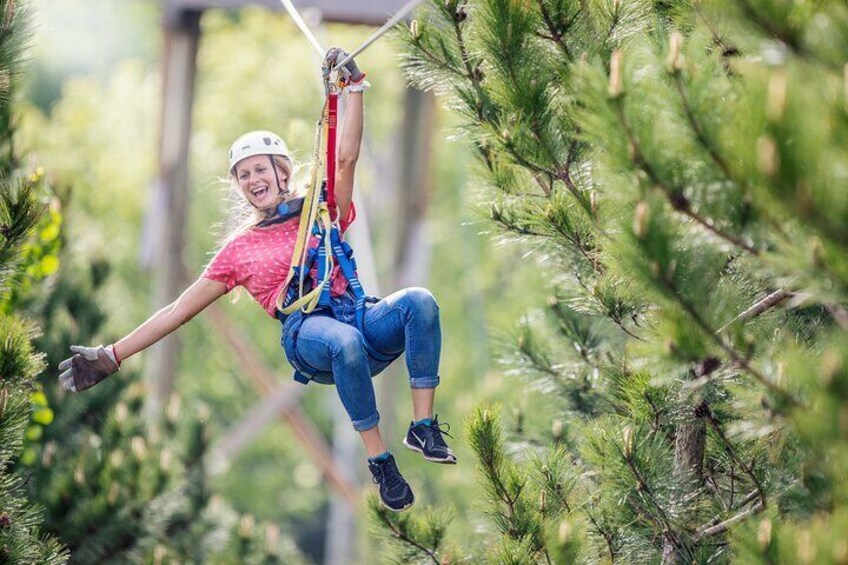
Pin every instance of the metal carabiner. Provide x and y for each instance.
(334, 79)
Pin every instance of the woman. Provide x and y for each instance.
(327, 341)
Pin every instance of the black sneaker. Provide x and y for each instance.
(427, 440)
(395, 492)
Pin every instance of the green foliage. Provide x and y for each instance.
(19, 363)
(416, 537)
(19, 213)
(116, 494)
(39, 255)
(771, 540)
(684, 195)
(14, 44)
(21, 538)
(515, 512)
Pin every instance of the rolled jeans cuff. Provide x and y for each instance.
(424, 382)
(366, 423)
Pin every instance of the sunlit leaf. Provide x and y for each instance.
(38, 398)
(34, 433)
(29, 457)
(43, 416)
(50, 233)
(49, 265)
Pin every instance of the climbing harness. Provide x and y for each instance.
(318, 218)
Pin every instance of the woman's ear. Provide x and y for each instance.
(283, 180)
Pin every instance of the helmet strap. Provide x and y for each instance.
(277, 176)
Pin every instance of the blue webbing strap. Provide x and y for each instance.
(324, 299)
(342, 253)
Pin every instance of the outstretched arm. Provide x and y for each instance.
(90, 365)
(191, 302)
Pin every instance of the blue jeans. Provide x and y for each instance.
(330, 342)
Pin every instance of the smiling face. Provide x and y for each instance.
(258, 182)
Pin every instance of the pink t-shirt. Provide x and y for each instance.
(259, 260)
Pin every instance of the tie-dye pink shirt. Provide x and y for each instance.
(259, 260)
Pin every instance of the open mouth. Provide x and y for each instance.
(260, 192)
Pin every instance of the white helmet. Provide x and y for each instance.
(257, 143)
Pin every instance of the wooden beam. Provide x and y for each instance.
(371, 12)
(245, 431)
(264, 381)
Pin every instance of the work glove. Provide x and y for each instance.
(87, 367)
(348, 74)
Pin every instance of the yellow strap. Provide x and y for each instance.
(319, 160)
(313, 210)
(307, 302)
(312, 197)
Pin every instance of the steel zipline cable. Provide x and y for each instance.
(303, 27)
(399, 15)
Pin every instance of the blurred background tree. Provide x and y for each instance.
(679, 169)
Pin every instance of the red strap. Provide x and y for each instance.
(332, 119)
(115, 353)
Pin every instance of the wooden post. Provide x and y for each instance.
(166, 226)
(244, 432)
(412, 253)
(265, 383)
(411, 259)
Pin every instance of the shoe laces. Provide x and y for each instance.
(435, 430)
(387, 471)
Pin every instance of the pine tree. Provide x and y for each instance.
(679, 169)
(21, 538)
